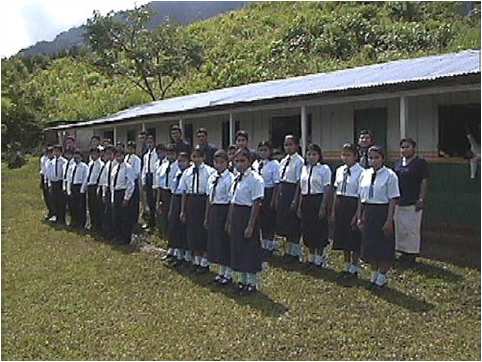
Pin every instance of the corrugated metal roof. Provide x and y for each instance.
(395, 72)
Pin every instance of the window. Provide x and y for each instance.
(455, 122)
(225, 131)
(188, 133)
(108, 135)
(373, 119)
(131, 135)
(281, 126)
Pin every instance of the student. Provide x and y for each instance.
(243, 222)
(135, 161)
(76, 189)
(176, 230)
(413, 175)
(163, 179)
(44, 162)
(242, 141)
(346, 236)
(193, 208)
(231, 152)
(55, 180)
(179, 143)
(147, 177)
(94, 202)
(268, 169)
(315, 180)
(68, 154)
(277, 154)
(122, 185)
(378, 194)
(365, 141)
(285, 198)
(217, 206)
(203, 143)
(104, 183)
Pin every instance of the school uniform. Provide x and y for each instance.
(163, 179)
(408, 221)
(313, 180)
(195, 185)
(246, 253)
(65, 176)
(209, 151)
(104, 183)
(219, 188)
(136, 164)
(94, 197)
(147, 177)
(55, 182)
(122, 188)
(269, 171)
(363, 157)
(176, 230)
(76, 189)
(287, 222)
(376, 190)
(347, 181)
(44, 162)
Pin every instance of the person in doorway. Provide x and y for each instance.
(365, 141)
(147, 177)
(179, 143)
(202, 142)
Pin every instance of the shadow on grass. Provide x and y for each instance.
(258, 301)
(388, 294)
(429, 270)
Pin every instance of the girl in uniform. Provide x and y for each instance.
(96, 166)
(285, 197)
(378, 194)
(219, 186)
(193, 208)
(104, 183)
(176, 230)
(315, 180)
(268, 169)
(347, 236)
(243, 223)
(231, 152)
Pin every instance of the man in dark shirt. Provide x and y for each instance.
(202, 143)
(365, 141)
(179, 143)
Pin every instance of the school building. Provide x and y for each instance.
(434, 99)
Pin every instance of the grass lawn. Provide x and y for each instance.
(69, 296)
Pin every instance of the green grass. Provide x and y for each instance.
(68, 296)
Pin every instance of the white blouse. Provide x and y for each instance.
(247, 188)
(106, 176)
(165, 174)
(383, 188)
(269, 171)
(219, 187)
(55, 169)
(196, 183)
(150, 160)
(176, 185)
(313, 179)
(122, 178)
(77, 175)
(135, 162)
(290, 168)
(347, 181)
(95, 169)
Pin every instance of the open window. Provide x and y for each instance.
(373, 119)
(131, 135)
(284, 125)
(226, 141)
(455, 122)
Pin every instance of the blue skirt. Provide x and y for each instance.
(375, 246)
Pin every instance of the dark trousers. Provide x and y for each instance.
(122, 217)
(58, 201)
(77, 207)
(151, 199)
(94, 201)
(136, 199)
(107, 227)
(47, 197)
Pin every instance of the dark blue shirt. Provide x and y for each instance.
(410, 179)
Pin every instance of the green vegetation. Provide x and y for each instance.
(68, 296)
(261, 42)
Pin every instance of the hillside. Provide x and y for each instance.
(260, 42)
(185, 12)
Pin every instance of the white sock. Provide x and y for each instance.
(197, 260)
(381, 279)
(170, 251)
(251, 278)
(204, 262)
(353, 269)
(264, 266)
(374, 277)
(187, 255)
(228, 272)
(311, 258)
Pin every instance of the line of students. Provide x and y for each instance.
(228, 212)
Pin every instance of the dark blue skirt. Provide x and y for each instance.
(195, 213)
(375, 246)
(314, 230)
(176, 230)
(346, 237)
(287, 222)
(218, 240)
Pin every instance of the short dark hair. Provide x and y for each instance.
(183, 155)
(232, 147)
(150, 135)
(242, 133)
(119, 150)
(142, 133)
(366, 132)
(199, 151)
(244, 152)
(109, 147)
(58, 147)
(131, 144)
(221, 154)
(408, 140)
(170, 148)
(315, 148)
(95, 137)
(160, 147)
(350, 147)
(176, 127)
(377, 149)
(50, 148)
(202, 130)
(93, 150)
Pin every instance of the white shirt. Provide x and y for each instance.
(314, 183)
(269, 172)
(54, 175)
(196, 184)
(385, 186)
(176, 186)
(77, 175)
(150, 160)
(351, 185)
(135, 162)
(247, 188)
(165, 174)
(290, 168)
(122, 178)
(65, 173)
(44, 161)
(219, 187)
(105, 179)
(95, 168)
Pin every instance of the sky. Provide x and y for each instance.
(25, 22)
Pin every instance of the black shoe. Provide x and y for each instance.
(225, 281)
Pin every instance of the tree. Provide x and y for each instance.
(152, 60)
